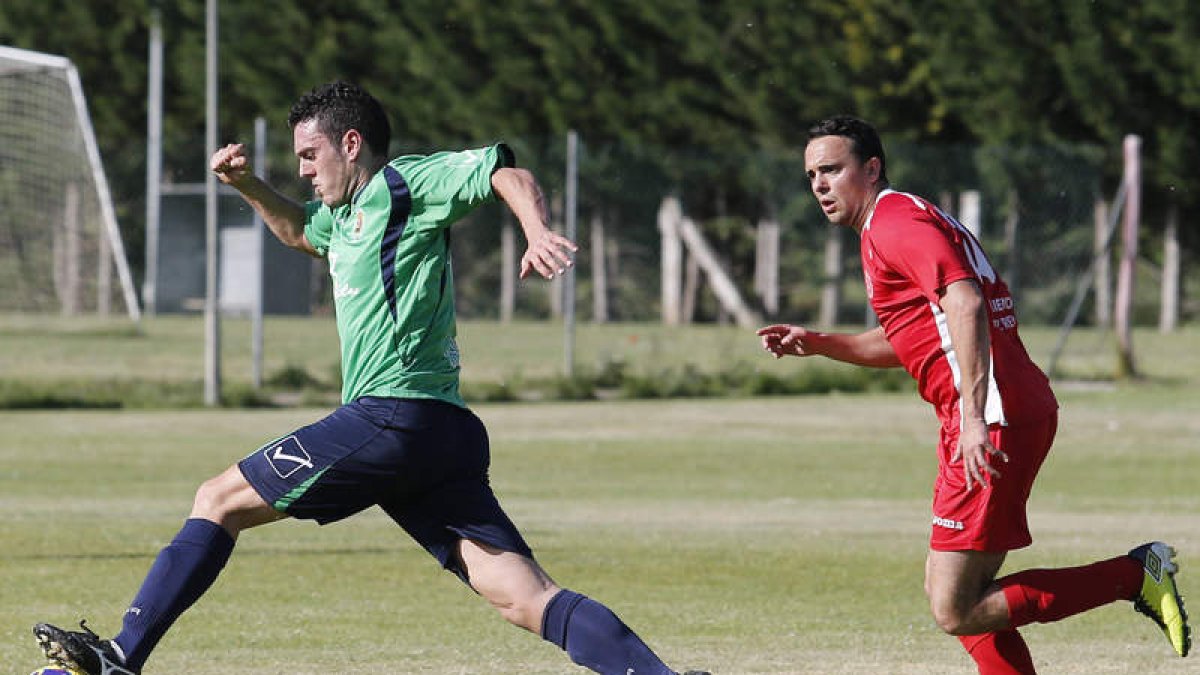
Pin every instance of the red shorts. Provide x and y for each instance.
(993, 518)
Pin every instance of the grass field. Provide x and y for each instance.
(765, 535)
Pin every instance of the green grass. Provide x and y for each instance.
(49, 361)
(756, 535)
(780, 535)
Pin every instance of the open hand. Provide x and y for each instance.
(550, 255)
(976, 451)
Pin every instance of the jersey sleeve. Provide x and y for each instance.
(918, 245)
(445, 186)
(318, 224)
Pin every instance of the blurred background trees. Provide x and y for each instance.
(707, 100)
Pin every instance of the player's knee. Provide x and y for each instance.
(518, 614)
(950, 619)
(210, 499)
(518, 609)
(219, 500)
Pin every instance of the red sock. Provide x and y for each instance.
(1049, 595)
(1000, 653)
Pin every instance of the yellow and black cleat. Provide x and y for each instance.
(1159, 598)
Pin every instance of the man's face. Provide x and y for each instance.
(323, 163)
(844, 187)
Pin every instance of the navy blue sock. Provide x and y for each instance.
(595, 638)
(183, 571)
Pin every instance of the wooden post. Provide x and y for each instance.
(669, 215)
(691, 290)
(1168, 316)
(1102, 279)
(968, 212)
(718, 279)
(599, 270)
(766, 265)
(1123, 313)
(612, 256)
(946, 202)
(509, 266)
(831, 285)
(1012, 239)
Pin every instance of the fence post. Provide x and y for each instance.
(968, 212)
(669, 215)
(570, 222)
(1123, 315)
(766, 264)
(1012, 241)
(1168, 317)
(831, 285)
(508, 266)
(1101, 257)
(599, 269)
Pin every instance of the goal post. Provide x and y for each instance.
(59, 240)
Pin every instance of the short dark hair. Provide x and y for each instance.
(864, 140)
(339, 107)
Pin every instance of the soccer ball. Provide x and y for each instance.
(54, 670)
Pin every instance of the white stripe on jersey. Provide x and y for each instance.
(993, 412)
(984, 272)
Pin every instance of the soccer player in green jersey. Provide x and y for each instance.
(403, 439)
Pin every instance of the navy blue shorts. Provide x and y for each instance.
(424, 462)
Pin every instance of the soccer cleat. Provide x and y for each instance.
(1159, 598)
(82, 652)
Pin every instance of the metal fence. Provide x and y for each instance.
(1035, 208)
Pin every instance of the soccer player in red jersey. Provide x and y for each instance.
(948, 318)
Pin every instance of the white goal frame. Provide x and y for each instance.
(112, 232)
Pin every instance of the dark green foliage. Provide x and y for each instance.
(293, 377)
(125, 393)
(709, 100)
(688, 381)
(492, 392)
(740, 379)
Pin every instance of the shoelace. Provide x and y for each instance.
(83, 625)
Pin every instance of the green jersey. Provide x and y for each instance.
(389, 260)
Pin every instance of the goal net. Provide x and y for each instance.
(60, 248)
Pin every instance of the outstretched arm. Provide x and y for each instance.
(870, 348)
(284, 216)
(548, 252)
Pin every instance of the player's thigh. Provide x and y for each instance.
(991, 519)
(332, 468)
(453, 500)
(450, 513)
